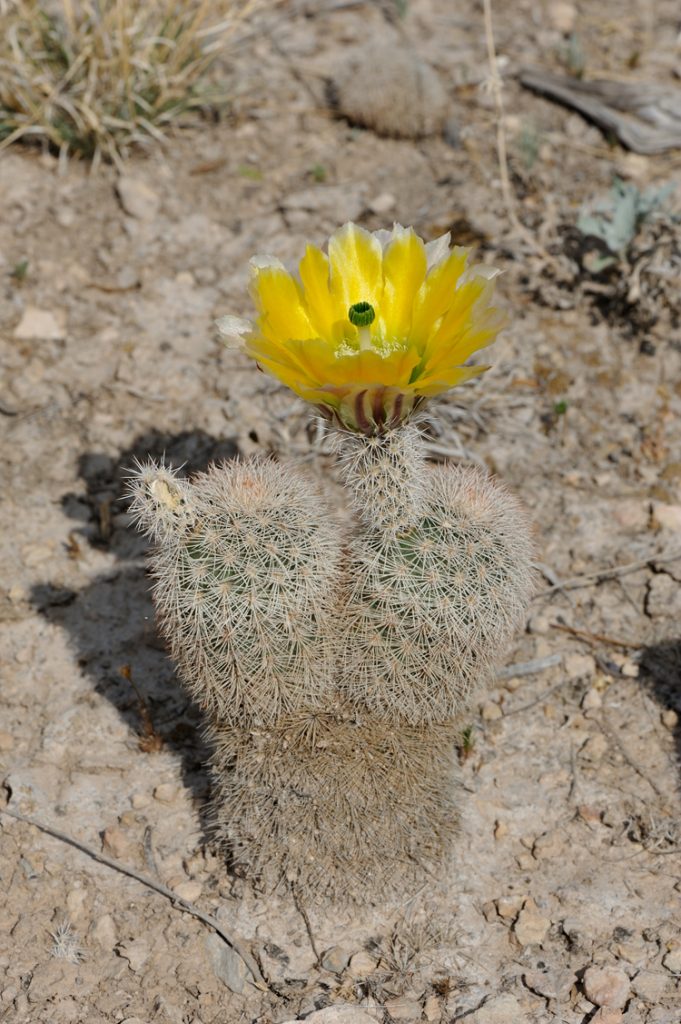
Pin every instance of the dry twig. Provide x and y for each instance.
(595, 638)
(587, 579)
(237, 944)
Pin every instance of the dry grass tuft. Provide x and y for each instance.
(94, 78)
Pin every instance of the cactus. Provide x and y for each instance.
(433, 604)
(388, 88)
(334, 670)
(246, 577)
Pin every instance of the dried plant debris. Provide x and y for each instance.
(623, 256)
(66, 944)
(389, 89)
(645, 118)
(93, 78)
(616, 218)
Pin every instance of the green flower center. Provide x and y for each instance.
(361, 314)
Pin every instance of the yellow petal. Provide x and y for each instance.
(438, 291)
(404, 269)
(323, 308)
(459, 314)
(437, 383)
(278, 300)
(355, 257)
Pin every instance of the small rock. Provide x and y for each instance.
(500, 830)
(634, 951)
(42, 324)
(667, 516)
(383, 203)
(117, 843)
(137, 199)
(189, 891)
(490, 711)
(135, 952)
(509, 907)
(75, 903)
(595, 748)
(592, 700)
(498, 1010)
(552, 984)
(489, 911)
(6, 740)
(526, 861)
(649, 986)
(629, 668)
(531, 927)
(404, 1008)
(104, 932)
(607, 1015)
(362, 964)
(591, 815)
(580, 666)
(166, 793)
(669, 719)
(632, 514)
(664, 597)
(227, 964)
(672, 960)
(432, 1010)
(139, 800)
(548, 846)
(576, 932)
(563, 16)
(342, 1013)
(336, 959)
(606, 986)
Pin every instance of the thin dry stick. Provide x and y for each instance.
(595, 638)
(576, 582)
(238, 945)
(496, 87)
(497, 92)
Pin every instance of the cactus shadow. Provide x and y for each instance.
(110, 621)
(660, 672)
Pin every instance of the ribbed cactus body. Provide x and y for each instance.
(430, 609)
(338, 803)
(246, 580)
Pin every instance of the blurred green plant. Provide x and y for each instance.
(572, 56)
(94, 78)
(19, 270)
(528, 144)
(615, 219)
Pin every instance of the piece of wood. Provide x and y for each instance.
(645, 117)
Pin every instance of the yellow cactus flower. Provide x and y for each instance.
(369, 331)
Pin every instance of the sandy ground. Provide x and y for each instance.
(569, 857)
